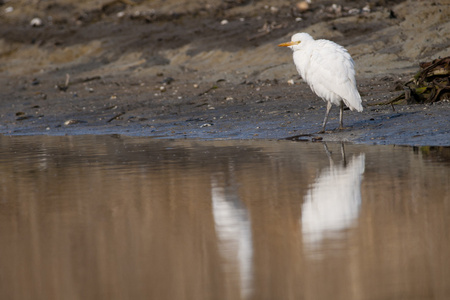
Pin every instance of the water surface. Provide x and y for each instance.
(113, 217)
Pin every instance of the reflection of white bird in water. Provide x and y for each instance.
(332, 203)
(329, 70)
(233, 227)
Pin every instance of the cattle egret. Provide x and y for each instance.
(329, 71)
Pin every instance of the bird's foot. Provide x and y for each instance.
(325, 131)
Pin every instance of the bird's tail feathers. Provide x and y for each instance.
(354, 101)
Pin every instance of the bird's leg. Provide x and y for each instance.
(341, 116)
(326, 117)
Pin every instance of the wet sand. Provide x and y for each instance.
(174, 69)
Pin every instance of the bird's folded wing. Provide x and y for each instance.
(331, 75)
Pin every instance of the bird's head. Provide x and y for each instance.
(296, 39)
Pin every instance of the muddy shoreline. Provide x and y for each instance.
(214, 71)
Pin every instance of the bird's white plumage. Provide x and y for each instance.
(328, 69)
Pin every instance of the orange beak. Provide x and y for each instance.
(289, 44)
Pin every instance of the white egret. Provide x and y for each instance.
(329, 71)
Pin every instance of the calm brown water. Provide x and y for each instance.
(110, 217)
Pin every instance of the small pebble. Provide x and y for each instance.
(36, 22)
(71, 122)
(303, 6)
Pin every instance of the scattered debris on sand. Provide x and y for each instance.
(430, 84)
